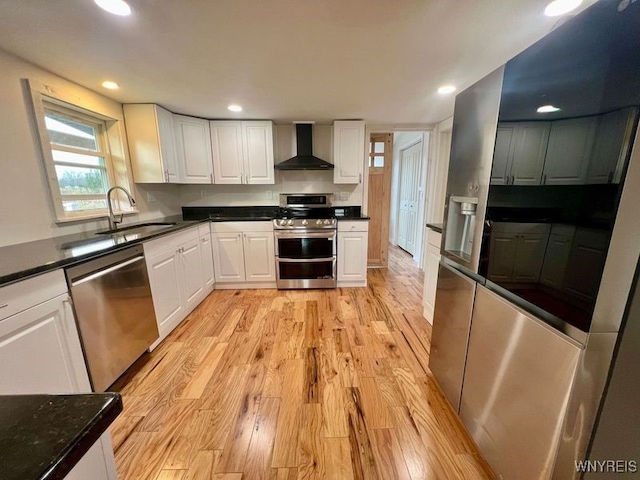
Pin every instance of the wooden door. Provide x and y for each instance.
(410, 160)
(380, 158)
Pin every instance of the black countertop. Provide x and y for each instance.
(44, 436)
(436, 227)
(24, 260)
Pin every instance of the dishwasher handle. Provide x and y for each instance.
(106, 271)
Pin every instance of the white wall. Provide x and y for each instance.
(26, 210)
(310, 181)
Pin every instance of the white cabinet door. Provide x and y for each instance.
(191, 279)
(502, 256)
(226, 144)
(555, 262)
(501, 167)
(259, 257)
(164, 277)
(529, 257)
(348, 151)
(207, 260)
(193, 144)
(228, 257)
(352, 257)
(151, 139)
(610, 147)
(40, 351)
(258, 152)
(431, 280)
(569, 151)
(529, 149)
(587, 257)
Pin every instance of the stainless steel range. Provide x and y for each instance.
(305, 241)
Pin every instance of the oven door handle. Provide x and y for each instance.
(305, 235)
(305, 260)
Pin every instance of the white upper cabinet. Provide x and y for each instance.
(348, 151)
(193, 146)
(569, 151)
(242, 152)
(151, 139)
(520, 153)
(611, 146)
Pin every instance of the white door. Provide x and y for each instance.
(164, 275)
(193, 145)
(226, 145)
(259, 257)
(258, 152)
(529, 150)
(191, 281)
(410, 160)
(228, 257)
(207, 259)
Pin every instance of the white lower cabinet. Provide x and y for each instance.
(243, 254)
(352, 253)
(176, 266)
(40, 352)
(431, 274)
(207, 258)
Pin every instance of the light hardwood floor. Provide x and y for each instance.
(306, 384)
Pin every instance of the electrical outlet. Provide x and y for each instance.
(344, 195)
(269, 194)
(151, 197)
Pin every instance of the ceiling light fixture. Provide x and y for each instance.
(445, 89)
(117, 7)
(110, 85)
(235, 108)
(560, 7)
(548, 109)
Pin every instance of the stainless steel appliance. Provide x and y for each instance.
(306, 245)
(474, 130)
(114, 311)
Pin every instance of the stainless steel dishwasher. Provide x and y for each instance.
(114, 311)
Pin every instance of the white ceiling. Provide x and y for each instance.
(281, 59)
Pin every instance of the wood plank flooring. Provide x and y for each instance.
(289, 385)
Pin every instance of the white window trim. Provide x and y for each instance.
(41, 95)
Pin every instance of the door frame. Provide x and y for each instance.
(427, 136)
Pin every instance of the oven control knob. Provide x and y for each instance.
(290, 222)
(326, 221)
(283, 221)
(318, 222)
(305, 222)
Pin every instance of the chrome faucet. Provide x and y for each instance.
(113, 218)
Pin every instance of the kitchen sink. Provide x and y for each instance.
(139, 228)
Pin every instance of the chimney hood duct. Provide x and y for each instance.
(304, 160)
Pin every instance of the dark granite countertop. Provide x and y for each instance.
(436, 227)
(347, 217)
(24, 260)
(44, 436)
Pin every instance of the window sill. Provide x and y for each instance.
(93, 217)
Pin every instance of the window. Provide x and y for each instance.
(80, 160)
(82, 140)
(378, 144)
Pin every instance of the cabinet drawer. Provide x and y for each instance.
(240, 227)
(204, 229)
(434, 238)
(174, 240)
(353, 226)
(520, 227)
(19, 296)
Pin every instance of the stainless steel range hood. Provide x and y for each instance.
(304, 160)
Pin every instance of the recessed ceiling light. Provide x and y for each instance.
(235, 108)
(117, 7)
(445, 89)
(560, 7)
(110, 85)
(548, 109)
